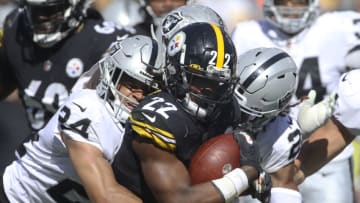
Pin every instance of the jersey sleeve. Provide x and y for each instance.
(161, 121)
(79, 121)
(347, 107)
(150, 126)
(279, 143)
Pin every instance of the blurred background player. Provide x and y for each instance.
(294, 26)
(233, 11)
(123, 12)
(155, 11)
(46, 46)
(80, 141)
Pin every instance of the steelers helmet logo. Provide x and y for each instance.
(176, 43)
(74, 68)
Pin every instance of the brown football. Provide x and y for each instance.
(214, 158)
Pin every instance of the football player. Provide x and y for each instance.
(267, 81)
(79, 142)
(166, 128)
(46, 46)
(294, 26)
(171, 23)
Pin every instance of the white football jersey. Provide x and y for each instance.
(43, 171)
(319, 51)
(347, 107)
(279, 143)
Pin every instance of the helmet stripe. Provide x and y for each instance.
(263, 67)
(220, 46)
(154, 53)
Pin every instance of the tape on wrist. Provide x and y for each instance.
(232, 184)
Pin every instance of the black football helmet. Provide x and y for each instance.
(201, 68)
(50, 21)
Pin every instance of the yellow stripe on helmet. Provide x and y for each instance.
(220, 46)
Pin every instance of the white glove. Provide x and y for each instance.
(312, 116)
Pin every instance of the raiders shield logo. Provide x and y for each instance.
(171, 21)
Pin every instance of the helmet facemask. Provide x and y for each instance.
(291, 18)
(124, 76)
(51, 22)
(111, 80)
(251, 120)
(201, 68)
(203, 92)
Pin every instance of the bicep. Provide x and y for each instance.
(326, 142)
(161, 164)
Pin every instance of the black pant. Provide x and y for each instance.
(3, 198)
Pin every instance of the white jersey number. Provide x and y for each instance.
(80, 126)
(164, 108)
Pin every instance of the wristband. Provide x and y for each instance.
(232, 184)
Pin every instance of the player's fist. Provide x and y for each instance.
(311, 116)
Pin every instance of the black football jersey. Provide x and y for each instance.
(44, 76)
(162, 121)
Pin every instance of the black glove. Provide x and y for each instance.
(261, 188)
(249, 152)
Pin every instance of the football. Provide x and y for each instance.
(214, 158)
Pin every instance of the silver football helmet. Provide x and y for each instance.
(267, 80)
(185, 15)
(291, 19)
(51, 21)
(127, 64)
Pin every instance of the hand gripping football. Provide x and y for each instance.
(214, 158)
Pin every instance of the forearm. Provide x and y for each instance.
(96, 174)
(322, 146)
(224, 189)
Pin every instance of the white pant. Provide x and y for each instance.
(246, 199)
(331, 184)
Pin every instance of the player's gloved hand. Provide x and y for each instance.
(312, 116)
(262, 187)
(249, 152)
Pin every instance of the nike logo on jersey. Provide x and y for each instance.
(344, 78)
(150, 118)
(82, 109)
